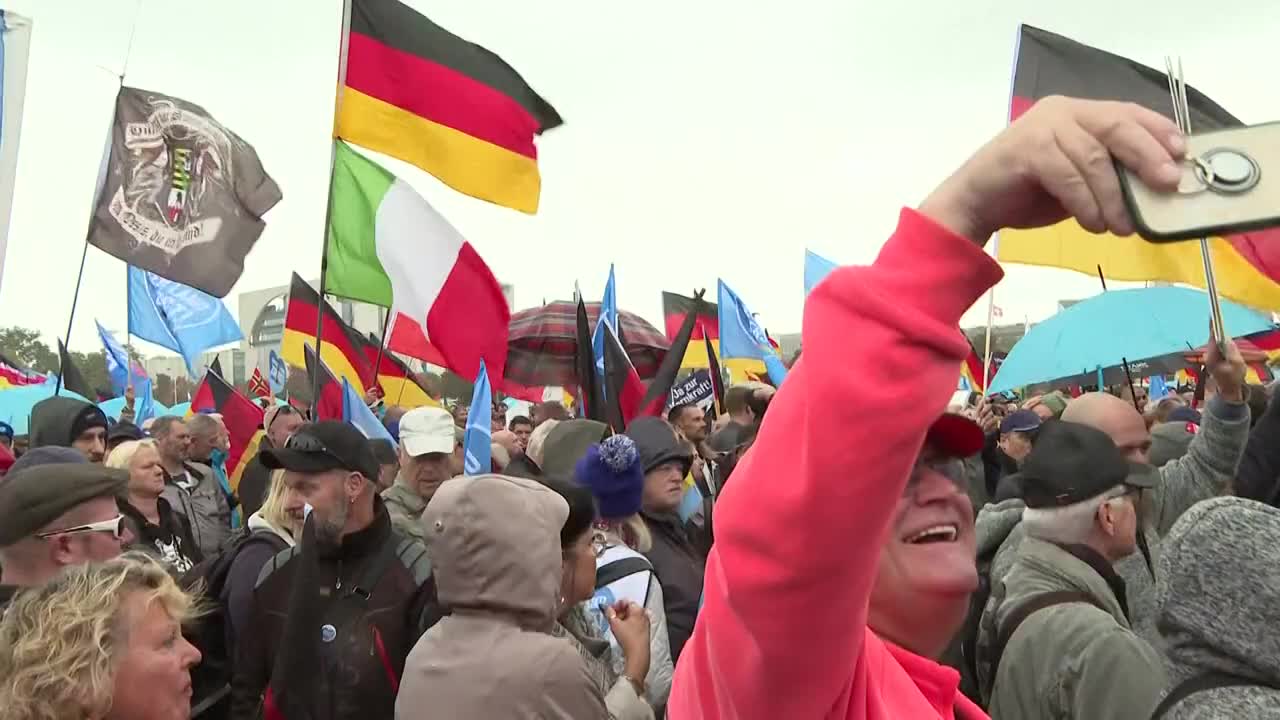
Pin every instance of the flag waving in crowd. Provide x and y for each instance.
(183, 195)
(175, 316)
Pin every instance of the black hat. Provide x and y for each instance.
(1071, 463)
(36, 496)
(323, 446)
(658, 444)
(125, 430)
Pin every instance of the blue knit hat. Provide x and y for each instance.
(612, 471)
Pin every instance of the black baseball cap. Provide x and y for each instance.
(323, 446)
(1071, 463)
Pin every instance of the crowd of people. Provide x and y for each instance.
(859, 549)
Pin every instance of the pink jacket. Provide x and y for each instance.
(783, 631)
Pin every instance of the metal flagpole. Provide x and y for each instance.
(328, 210)
(75, 297)
(986, 359)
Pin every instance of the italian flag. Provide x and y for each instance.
(388, 247)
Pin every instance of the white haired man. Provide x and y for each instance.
(1058, 638)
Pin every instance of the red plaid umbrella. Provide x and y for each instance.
(542, 341)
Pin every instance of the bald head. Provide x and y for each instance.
(1115, 417)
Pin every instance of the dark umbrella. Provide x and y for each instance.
(542, 344)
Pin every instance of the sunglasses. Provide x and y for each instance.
(115, 526)
(304, 442)
(951, 468)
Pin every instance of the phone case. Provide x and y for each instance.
(1230, 184)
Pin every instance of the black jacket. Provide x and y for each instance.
(364, 634)
(170, 540)
(679, 566)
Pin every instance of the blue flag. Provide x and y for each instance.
(355, 412)
(1159, 389)
(124, 373)
(816, 268)
(608, 314)
(178, 317)
(742, 337)
(475, 443)
(277, 373)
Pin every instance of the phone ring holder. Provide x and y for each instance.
(1226, 171)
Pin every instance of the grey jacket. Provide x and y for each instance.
(1205, 471)
(1218, 601)
(205, 506)
(1072, 660)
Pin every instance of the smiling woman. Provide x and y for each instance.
(100, 641)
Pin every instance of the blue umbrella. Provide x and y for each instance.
(16, 403)
(1118, 325)
(113, 407)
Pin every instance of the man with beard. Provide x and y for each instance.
(374, 596)
(67, 422)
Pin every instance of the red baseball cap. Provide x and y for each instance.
(956, 435)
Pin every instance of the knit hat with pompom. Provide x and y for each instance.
(612, 471)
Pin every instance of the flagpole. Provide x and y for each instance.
(328, 209)
(382, 344)
(75, 297)
(986, 354)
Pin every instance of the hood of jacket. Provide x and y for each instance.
(995, 522)
(52, 420)
(494, 543)
(567, 443)
(657, 443)
(1216, 607)
(257, 522)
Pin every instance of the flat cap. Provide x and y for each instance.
(34, 497)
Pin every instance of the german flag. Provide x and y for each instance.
(419, 93)
(717, 380)
(242, 416)
(972, 369)
(329, 405)
(342, 347)
(659, 390)
(399, 384)
(1246, 266)
(624, 390)
(675, 308)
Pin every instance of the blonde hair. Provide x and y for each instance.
(122, 457)
(59, 642)
(537, 438)
(631, 531)
(272, 509)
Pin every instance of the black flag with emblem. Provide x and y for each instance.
(182, 196)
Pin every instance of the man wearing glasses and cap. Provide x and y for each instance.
(56, 515)
(374, 596)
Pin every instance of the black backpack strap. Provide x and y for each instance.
(1193, 685)
(1029, 608)
(277, 562)
(619, 569)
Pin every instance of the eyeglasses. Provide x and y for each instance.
(951, 468)
(115, 526)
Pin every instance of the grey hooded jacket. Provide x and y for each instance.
(1205, 471)
(1218, 600)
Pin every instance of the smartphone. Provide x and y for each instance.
(1230, 184)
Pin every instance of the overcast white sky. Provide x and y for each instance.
(702, 138)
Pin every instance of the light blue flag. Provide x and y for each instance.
(277, 373)
(475, 443)
(1159, 389)
(119, 370)
(178, 317)
(742, 337)
(355, 412)
(816, 268)
(608, 314)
